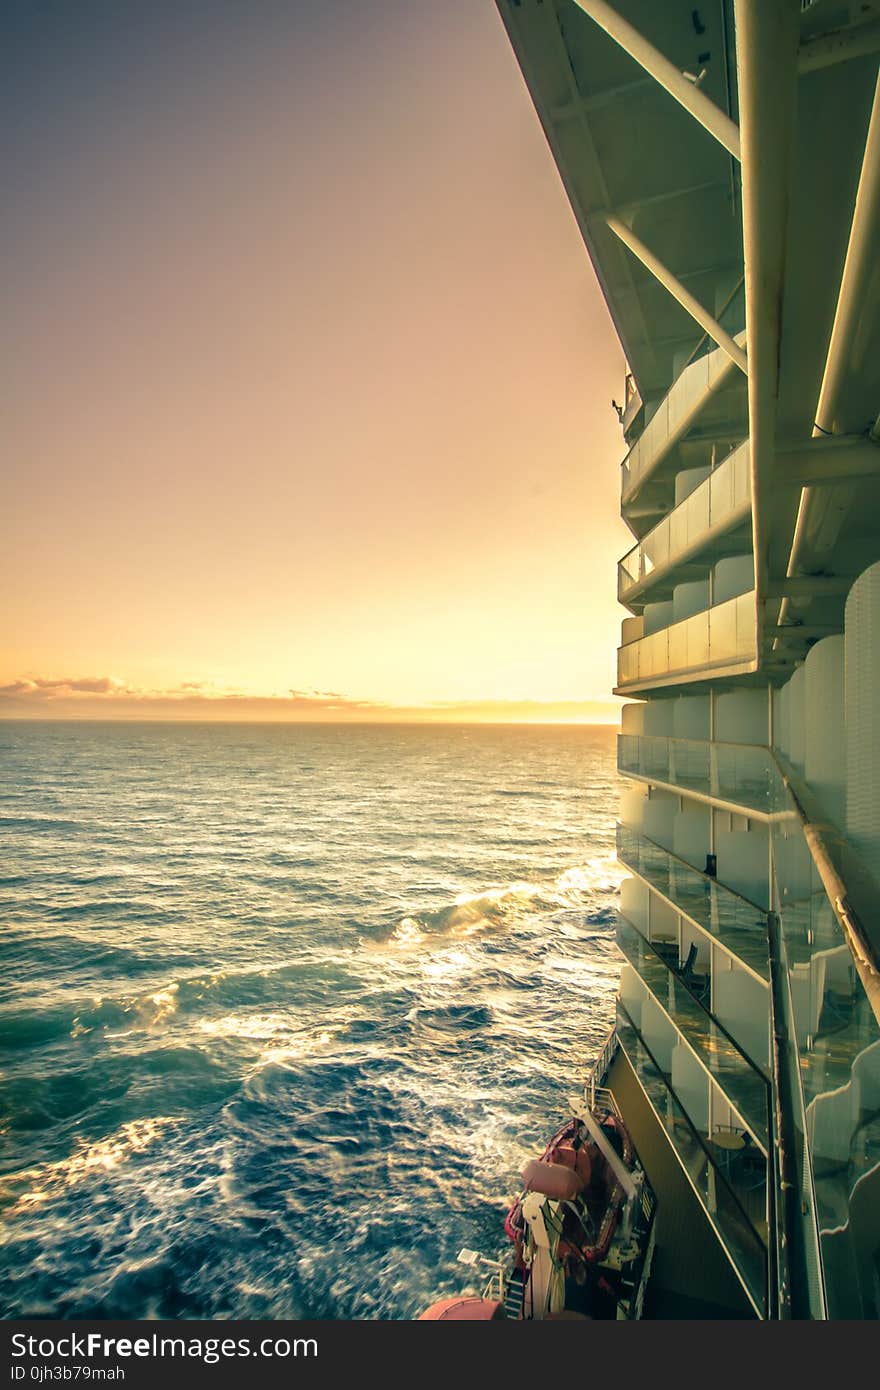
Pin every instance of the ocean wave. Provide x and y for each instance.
(29, 1188)
(266, 1039)
(575, 888)
(453, 1018)
(41, 823)
(198, 993)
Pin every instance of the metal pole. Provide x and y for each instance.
(852, 302)
(766, 55)
(860, 265)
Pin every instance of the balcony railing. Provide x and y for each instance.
(837, 1042)
(736, 773)
(827, 972)
(719, 637)
(735, 1199)
(720, 502)
(675, 415)
(737, 924)
(737, 1076)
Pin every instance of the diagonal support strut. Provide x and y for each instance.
(678, 291)
(704, 110)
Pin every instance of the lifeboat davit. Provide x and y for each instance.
(582, 1230)
(572, 1169)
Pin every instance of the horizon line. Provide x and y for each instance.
(334, 723)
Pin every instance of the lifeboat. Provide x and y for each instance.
(582, 1228)
(463, 1310)
(582, 1231)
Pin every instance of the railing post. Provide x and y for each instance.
(788, 1236)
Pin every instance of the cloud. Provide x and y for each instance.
(115, 696)
(329, 699)
(42, 689)
(105, 697)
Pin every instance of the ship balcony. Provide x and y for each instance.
(727, 1173)
(701, 525)
(733, 775)
(710, 391)
(739, 1078)
(726, 987)
(736, 923)
(720, 641)
(836, 1044)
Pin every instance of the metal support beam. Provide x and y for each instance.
(809, 586)
(766, 55)
(859, 271)
(710, 116)
(836, 458)
(671, 195)
(804, 632)
(678, 291)
(581, 106)
(721, 438)
(859, 268)
(827, 49)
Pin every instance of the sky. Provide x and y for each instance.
(308, 374)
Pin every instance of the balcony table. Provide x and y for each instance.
(729, 1144)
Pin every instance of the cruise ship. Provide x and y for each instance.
(722, 159)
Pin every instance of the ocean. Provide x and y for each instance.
(286, 1007)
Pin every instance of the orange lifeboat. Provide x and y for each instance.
(462, 1310)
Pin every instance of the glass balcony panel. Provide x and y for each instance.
(628, 663)
(722, 623)
(742, 478)
(677, 640)
(720, 636)
(628, 571)
(672, 415)
(691, 763)
(731, 1212)
(746, 635)
(686, 392)
(717, 497)
(721, 491)
(657, 547)
(698, 631)
(737, 924)
(658, 653)
(657, 759)
(740, 1080)
(678, 528)
(738, 773)
(742, 775)
(696, 511)
(838, 1040)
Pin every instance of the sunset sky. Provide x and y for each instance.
(308, 376)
